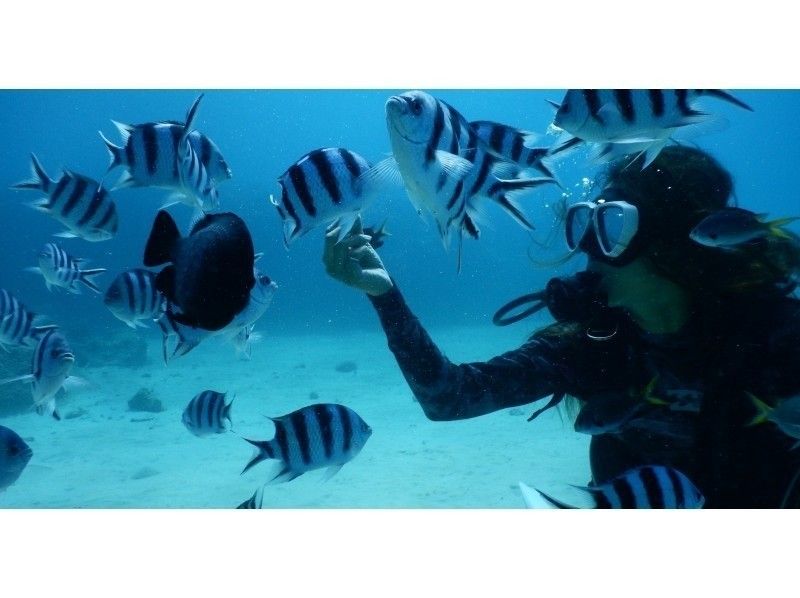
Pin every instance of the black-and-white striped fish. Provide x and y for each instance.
(320, 435)
(133, 296)
(76, 201)
(52, 363)
(447, 168)
(17, 325)
(647, 487)
(255, 501)
(195, 179)
(208, 414)
(627, 121)
(324, 185)
(151, 157)
(514, 145)
(62, 270)
(189, 337)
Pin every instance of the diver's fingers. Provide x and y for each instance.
(331, 236)
(356, 228)
(355, 241)
(367, 257)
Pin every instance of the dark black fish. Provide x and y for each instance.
(377, 234)
(211, 271)
(14, 456)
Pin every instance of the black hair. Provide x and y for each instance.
(682, 186)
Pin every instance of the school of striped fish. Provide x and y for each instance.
(209, 285)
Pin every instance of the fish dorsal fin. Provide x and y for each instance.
(454, 166)
(190, 114)
(162, 240)
(124, 130)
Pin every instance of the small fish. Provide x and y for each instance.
(210, 272)
(447, 168)
(254, 502)
(607, 414)
(377, 234)
(17, 325)
(733, 227)
(647, 487)
(76, 201)
(244, 339)
(786, 415)
(324, 185)
(623, 121)
(14, 457)
(133, 296)
(150, 155)
(512, 144)
(62, 270)
(207, 414)
(321, 435)
(189, 337)
(52, 363)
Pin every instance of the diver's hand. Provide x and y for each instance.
(354, 261)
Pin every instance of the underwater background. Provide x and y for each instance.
(103, 455)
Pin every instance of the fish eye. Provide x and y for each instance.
(265, 280)
(713, 236)
(13, 450)
(416, 107)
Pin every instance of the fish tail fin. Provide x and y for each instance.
(263, 453)
(502, 192)
(39, 181)
(649, 395)
(116, 153)
(776, 226)
(724, 95)
(86, 278)
(162, 240)
(763, 410)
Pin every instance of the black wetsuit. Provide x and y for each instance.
(701, 374)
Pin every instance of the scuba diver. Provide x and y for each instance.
(669, 346)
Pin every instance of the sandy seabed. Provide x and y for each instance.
(110, 457)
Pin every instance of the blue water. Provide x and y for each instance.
(261, 133)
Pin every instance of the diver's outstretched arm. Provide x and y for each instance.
(447, 391)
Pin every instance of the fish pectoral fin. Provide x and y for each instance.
(385, 173)
(125, 180)
(24, 378)
(454, 166)
(73, 383)
(607, 112)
